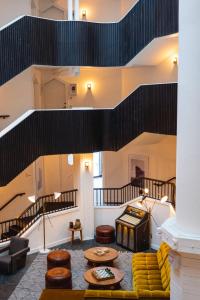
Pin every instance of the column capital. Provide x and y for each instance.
(179, 240)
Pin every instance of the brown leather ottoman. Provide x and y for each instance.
(105, 234)
(58, 278)
(59, 258)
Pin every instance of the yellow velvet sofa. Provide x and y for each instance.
(151, 281)
(51, 294)
(151, 273)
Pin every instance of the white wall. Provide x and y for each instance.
(57, 232)
(160, 212)
(97, 10)
(109, 85)
(133, 77)
(126, 5)
(58, 174)
(23, 183)
(159, 149)
(53, 174)
(16, 97)
(11, 9)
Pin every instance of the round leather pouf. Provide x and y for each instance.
(58, 278)
(105, 234)
(59, 258)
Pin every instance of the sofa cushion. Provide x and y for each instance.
(144, 261)
(162, 254)
(165, 274)
(5, 264)
(109, 294)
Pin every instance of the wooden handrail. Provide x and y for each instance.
(164, 182)
(45, 196)
(12, 199)
(4, 116)
(117, 196)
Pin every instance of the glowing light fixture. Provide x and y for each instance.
(70, 159)
(175, 60)
(86, 164)
(32, 198)
(164, 199)
(89, 86)
(57, 195)
(84, 14)
(146, 190)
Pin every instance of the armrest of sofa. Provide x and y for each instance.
(19, 253)
(109, 294)
(145, 294)
(4, 249)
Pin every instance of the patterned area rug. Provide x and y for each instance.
(32, 283)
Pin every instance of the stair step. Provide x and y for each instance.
(15, 229)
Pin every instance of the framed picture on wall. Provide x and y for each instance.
(138, 166)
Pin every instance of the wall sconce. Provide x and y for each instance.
(89, 86)
(84, 14)
(86, 165)
(175, 60)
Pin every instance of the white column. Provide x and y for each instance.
(188, 138)
(183, 232)
(83, 180)
(76, 10)
(70, 10)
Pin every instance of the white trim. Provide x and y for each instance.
(11, 22)
(96, 22)
(29, 112)
(16, 122)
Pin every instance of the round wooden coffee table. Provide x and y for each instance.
(106, 259)
(112, 284)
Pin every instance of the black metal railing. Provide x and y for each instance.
(44, 205)
(115, 196)
(119, 196)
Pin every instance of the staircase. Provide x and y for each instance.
(150, 108)
(43, 205)
(25, 41)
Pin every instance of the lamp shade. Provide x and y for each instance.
(57, 195)
(139, 204)
(164, 199)
(32, 198)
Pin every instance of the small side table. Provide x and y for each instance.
(75, 230)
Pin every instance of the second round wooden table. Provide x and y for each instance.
(107, 258)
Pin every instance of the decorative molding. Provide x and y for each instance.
(178, 240)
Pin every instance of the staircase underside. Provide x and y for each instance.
(151, 108)
(34, 41)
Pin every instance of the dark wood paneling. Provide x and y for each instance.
(151, 108)
(45, 42)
